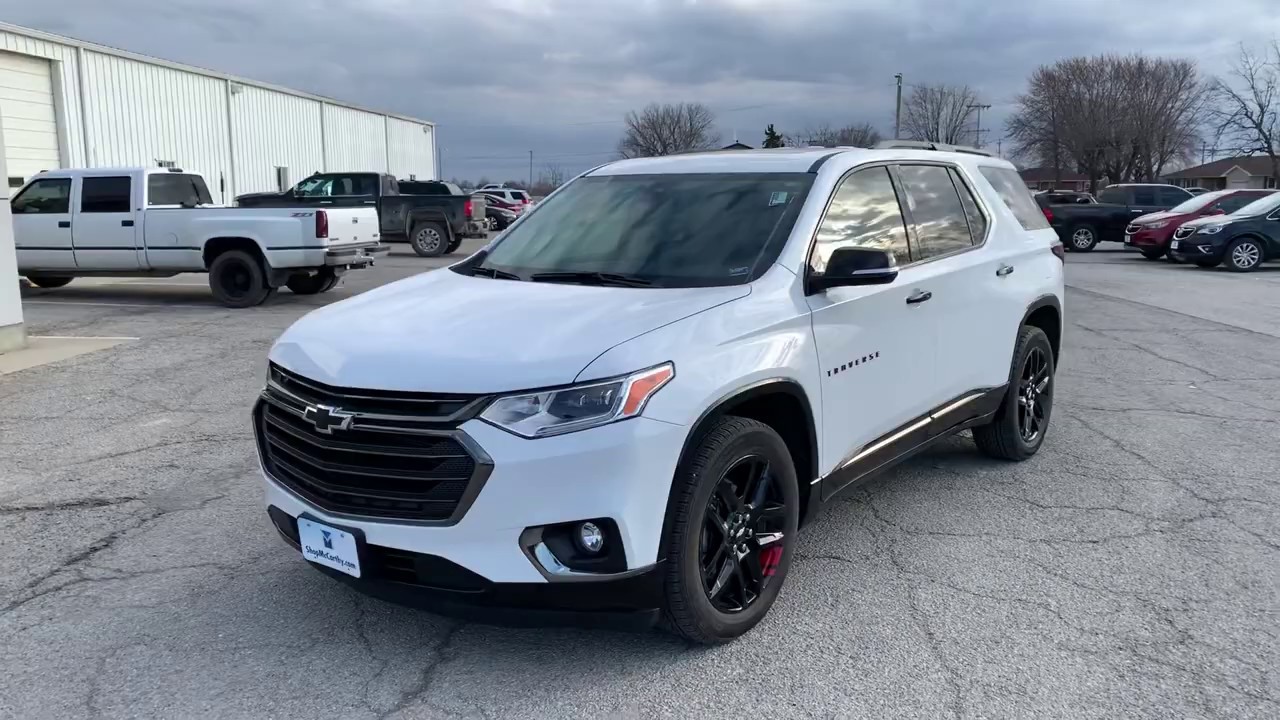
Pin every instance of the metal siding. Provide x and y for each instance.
(272, 129)
(354, 140)
(411, 149)
(139, 114)
(64, 66)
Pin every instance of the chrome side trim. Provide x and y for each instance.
(882, 443)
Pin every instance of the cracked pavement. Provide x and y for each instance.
(1131, 569)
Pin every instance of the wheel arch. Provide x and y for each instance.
(780, 403)
(417, 216)
(215, 246)
(1046, 313)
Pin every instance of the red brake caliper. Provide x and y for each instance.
(769, 558)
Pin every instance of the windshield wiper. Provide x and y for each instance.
(592, 278)
(494, 273)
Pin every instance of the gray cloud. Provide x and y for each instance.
(501, 77)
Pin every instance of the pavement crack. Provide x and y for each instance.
(85, 504)
(423, 686)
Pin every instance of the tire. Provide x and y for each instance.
(303, 284)
(428, 240)
(1244, 255)
(1207, 264)
(453, 246)
(1005, 437)
(1155, 254)
(48, 281)
(729, 452)
(238, 280)
(1082, 238)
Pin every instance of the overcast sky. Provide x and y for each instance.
(502, 77)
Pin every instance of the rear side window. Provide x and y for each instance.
(520, 195)
(936, 212)
(105, 195)
(1235, 202)
(1016, 197)
(1172, 196)
(1144, 196)
(49, 196)
(864, 212)
(1118, 196)
(177, 189)
(973, 213)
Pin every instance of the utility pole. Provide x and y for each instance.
(1000, 148)
(530, 185)
(897, 111)
(977, 132)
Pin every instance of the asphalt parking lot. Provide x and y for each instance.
(1131, 569)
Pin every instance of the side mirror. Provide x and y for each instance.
(850, 266)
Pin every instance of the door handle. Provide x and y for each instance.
(126, 223)
(1004, 270)
(1138, 212)
(64, 223)
(918, 296)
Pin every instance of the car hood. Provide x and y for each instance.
(1210, 220)
(1157, 217)
(446, 332)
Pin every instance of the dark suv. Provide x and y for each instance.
(1152, 233)
(1242, 240)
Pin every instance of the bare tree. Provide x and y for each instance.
(553, 176)
(824, 135)
(668, 129)
(1246, 109)
(1121, 118)
(939, 113)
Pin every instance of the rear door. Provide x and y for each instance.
(42, 225)
(104, 232)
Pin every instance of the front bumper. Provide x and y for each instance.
(1197, 248)
(1148, 239)
(621, 472)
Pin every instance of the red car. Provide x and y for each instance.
(1151, 233)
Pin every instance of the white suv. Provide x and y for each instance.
(626, 405)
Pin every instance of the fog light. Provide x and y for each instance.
(590, 537)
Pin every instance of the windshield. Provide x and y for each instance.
(1199, 202)
(663, 230)
(1261, 206)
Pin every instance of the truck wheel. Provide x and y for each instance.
(303, 284)
(48, 281)
(1020, 424)
(238, 280)
(1083, 238)
(1244, 255)
(733, 522)
(453, 246)
(428, 240)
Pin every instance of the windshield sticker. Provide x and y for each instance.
(778, 198)
(739, 271)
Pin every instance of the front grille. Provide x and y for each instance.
(406, 467)
(1183, 233)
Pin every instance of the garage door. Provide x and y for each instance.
(26, 109)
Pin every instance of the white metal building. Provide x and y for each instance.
(68, 103)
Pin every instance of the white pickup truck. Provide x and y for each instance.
(160, 222)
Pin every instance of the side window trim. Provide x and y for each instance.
(912, 239)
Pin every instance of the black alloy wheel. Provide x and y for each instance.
(1032, 392)
(743, 535)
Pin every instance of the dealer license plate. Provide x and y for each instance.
(329, 546)
(1173, 245)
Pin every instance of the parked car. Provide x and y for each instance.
(500, 218)
(661, 373)
(158, 223)
(1241, 241)
(1082, 227)
(1063, 197)
(1197, 190)
(1152, 233)
(519, 197)
(433, 224)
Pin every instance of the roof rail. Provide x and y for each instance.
(929, 145)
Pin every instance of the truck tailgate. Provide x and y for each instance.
(352, 226)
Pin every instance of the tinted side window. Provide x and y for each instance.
(1118, 196)
(977, 221)
(1172, 196)
(176, 189)
(1235, 202)
(1144, 196)
(105, 195)
(1009, 186)
(939, 218)
(864, 212)
(44, 196)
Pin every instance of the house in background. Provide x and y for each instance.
(737, 146)
(1043, 178)
(1252, 172)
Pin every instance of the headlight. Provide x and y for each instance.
(1155, 225)
(1211, 229)
(555, 412)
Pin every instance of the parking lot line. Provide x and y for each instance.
(81, 337)
(104, 304)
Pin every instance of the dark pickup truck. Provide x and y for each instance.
(1083, 225)
(434, 219)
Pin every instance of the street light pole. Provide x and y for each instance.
(530, 185)
(977, 131)
(897, 110)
